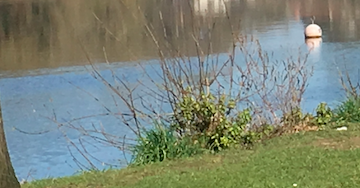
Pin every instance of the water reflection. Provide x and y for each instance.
(42, 38)
(313, 43)
(215, 7)
(39, 34)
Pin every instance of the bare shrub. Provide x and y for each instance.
(247, 75)
(350, 86)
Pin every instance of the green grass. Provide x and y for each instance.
(312, 160)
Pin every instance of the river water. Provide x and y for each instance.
(43, 66)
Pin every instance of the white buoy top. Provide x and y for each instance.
(313, 31)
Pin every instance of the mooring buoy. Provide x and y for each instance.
(313, 30)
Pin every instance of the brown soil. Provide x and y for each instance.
(346, 143)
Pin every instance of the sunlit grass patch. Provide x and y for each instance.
(278, 162)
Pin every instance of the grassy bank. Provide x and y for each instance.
(314, 159)
(207, 144)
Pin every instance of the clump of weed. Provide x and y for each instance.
(161, 143)
(324, 115)
(349, 110)
(214, 122)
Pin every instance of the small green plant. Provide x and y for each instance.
(159, 144)
(324, 115)
(231, 131)
(348, 111)
(265, 131)
(202, 112)
(210, 121)
(293, 118)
